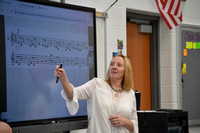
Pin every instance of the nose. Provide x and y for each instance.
(114, 67)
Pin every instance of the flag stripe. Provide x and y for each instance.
(167, 9)
(173, 19)
(167, 5)
(163, 16)
(164, 3)
(180, 18)
(178, 8)
(171, 5)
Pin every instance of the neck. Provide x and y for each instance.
(116, 84)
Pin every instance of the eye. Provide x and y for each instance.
(112, 64)
(119, 65)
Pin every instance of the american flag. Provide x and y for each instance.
(171, 12)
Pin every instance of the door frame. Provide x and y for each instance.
(154, 53)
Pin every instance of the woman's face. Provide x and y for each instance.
(116, 69)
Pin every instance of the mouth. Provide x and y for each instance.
(113, 72)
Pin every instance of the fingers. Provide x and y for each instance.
(116, 124)
(55, 73)
(59, 72)
(58, 67)
(115, 121)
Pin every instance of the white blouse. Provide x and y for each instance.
(102, 103)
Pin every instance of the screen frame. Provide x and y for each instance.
(3, 106)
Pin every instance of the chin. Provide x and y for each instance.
(114, 77)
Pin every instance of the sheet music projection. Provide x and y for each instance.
(34, 41)
(49, 60)
(18, 40)
(34, 45)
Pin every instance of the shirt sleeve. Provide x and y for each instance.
(134, 117)
(73, 104)
(82, 92)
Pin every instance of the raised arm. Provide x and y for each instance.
(67, 86)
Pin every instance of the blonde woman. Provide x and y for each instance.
(111, 102)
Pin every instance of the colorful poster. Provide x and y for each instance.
(184, 69)
(184, 52)
(188, 45)
(194, 45)
(198, 45)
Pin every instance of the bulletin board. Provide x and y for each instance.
(190, 70)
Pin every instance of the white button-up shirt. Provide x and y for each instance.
(102, 103)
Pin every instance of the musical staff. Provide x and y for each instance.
(47, 60)
(34, 41)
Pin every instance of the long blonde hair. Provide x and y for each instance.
(127, 82)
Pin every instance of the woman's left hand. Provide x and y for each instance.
(117, 121)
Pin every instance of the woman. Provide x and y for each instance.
(111, 102)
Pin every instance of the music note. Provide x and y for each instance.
(35, 41)
(46, 60)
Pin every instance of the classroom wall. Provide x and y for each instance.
(114, 27)
(171, 90)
